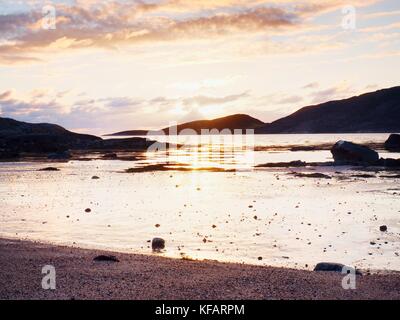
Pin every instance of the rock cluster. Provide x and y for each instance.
(349, 153)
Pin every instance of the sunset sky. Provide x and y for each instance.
(116, 65)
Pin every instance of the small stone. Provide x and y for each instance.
(88, 210)
(383, 228)
(107, 258)
(157, 225)
(157, 244)
(95, 178)
(49, 169)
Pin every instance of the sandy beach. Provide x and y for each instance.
(150, 277)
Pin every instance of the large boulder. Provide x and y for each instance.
(329, 266)
(333, 267)
(345, 152)
(393, 142)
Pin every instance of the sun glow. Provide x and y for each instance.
(211, 111)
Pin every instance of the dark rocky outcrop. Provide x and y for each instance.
(50, 169)
(345, 152)
(388, 163)
(6, 154)
(121, 144)
(109, 156)
(174, 167)
(363, 176)
(393, 143)
(295, 164)
(304, 148)
(316, 175)
(64, 155)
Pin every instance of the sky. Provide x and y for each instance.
(104, 66)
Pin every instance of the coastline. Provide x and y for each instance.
(148, 277)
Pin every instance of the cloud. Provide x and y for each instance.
(374, 15)
(312, 85)
(340, 91)
(208, 100)
(121, 102)
(99, 115)
(111, 24)
(387, 27)
(289, 100)
(35, 106)
(6, 95)
(107, 113)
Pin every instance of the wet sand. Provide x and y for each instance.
(151, 277)
(226, 216)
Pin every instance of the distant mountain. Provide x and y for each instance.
(11, 127)
(371, 112)
(43, 137)
(128, 133)
(236, 121)
(21, 137)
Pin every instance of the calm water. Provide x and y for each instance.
(237, 152)
(232, 216)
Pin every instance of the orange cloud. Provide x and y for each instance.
(110, 24)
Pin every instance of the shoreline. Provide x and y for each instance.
(149, 277)
(118, 251)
